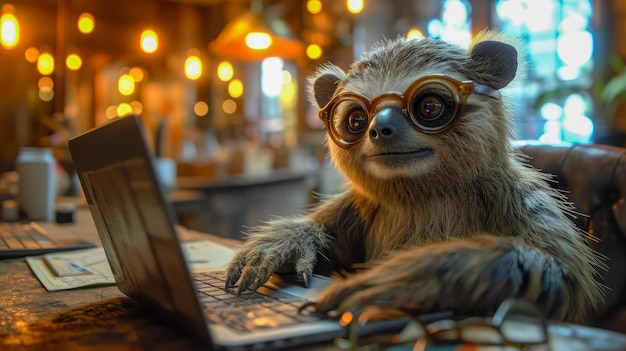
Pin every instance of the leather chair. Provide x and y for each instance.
(594, 179)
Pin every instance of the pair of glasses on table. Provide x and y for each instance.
(517, 324)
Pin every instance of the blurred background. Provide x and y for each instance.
(221, 85)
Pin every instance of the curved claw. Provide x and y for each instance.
(242, 287)
(233, 273)
(306, 305)
(251, 285)
(230, 282)
(335, 296)
(304, 277)
(256, 285)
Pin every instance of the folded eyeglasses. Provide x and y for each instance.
(516, 323)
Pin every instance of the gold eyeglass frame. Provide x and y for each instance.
(459, 91)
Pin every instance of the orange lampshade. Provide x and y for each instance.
(237, 39)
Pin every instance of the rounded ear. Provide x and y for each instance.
(496, 59)
(324, 83)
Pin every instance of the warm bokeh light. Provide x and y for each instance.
(193, 67)
(124, 109)
(111, 112)
(86, 23)
(229, 106)
(235, 88)
(137, 107)
(414, 33)
(45, 84)
(258, 40)
(45, 64)
(31, 54)
(9, 28)
(355, 6)
(149, 41)
(137, 74)
(314, 6)
(314, 51)
(73, 62)
(225, 71)
(126, 84)
(46, 95)
(201, 108)
(288, 94)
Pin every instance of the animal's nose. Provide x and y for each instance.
(386, 125)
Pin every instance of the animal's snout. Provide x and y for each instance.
(386, 125)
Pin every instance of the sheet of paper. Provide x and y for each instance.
(207, 255)
(201, 255)
(93, 260)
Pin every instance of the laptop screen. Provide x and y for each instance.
(135, 223)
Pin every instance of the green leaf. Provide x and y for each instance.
(616, 63)
(614, 88)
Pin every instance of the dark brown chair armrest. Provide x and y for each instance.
(593, 178)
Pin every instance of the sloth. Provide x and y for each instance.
(439, 209)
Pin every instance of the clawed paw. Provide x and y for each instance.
(250, 268)
(250, 276)
(254, 264)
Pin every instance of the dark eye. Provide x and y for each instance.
(349, 120)
(431, 107)
(357, 121)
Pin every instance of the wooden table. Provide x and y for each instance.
(97, 318)
(102, 318)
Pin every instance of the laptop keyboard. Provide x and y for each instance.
(28, 239)
(23, 236)
(265, 308)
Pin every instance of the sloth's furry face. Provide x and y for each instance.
(390, 133)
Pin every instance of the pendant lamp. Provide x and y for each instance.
(255, 35)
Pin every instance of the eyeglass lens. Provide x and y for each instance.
(523, 329)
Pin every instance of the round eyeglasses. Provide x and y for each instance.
(433, 104)
(516, 322)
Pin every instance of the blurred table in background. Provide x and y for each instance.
(231, 204)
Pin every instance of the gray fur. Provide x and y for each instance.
(461, 229)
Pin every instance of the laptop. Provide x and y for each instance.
(137, 228)
(19, 239)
